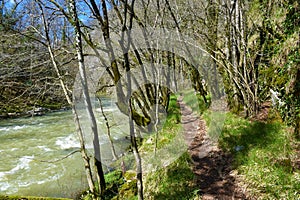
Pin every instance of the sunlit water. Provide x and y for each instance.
(29, 145)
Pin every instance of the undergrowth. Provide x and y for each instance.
(168, 132)
(165, 180)
(172, 182)
(264, 155)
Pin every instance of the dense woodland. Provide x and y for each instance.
(249, 50)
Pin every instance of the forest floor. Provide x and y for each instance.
(214, 175)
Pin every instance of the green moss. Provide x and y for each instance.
(172, 182)
(114, 177)
(128, 190)
(114, 182)
(119, 187)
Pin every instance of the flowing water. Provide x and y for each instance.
(28, 147)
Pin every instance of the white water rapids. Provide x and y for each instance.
(25, 144)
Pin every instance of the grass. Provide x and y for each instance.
(196, 101)
(173, 180)
(116, 184)
(169, 131)
(263, 155)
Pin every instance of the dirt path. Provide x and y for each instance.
(211, 166)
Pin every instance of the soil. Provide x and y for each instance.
(214, 174)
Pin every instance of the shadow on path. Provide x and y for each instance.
(212, 168)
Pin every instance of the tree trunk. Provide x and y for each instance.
(87, 101)
(137, 157)
(84, 154)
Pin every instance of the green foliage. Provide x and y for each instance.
(292, 22)
(128, 190)
(292, 107)
(119, 187)
(264, 155)
(276, 35)
(113, 181)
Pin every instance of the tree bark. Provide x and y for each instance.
(87, 101)
(79, 131)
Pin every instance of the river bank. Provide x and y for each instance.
(253, 146)
(3, 197)
(37, 111)
(31, 146)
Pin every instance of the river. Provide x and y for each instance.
(29, 145)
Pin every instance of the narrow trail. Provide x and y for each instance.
(212, 167)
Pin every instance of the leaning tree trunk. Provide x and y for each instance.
(133, 138)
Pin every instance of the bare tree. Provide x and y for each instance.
(67, 93)
(87, 100)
